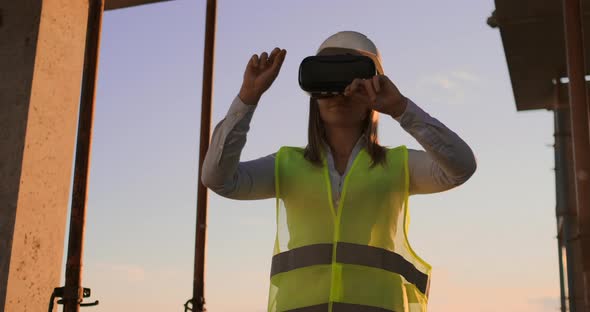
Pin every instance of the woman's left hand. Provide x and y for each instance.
(382, 94)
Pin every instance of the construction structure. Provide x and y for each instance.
(544, 45)
(49, 61)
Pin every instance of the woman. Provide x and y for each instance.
(341, 242)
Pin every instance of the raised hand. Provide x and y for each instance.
(380, 92)
(260, 73)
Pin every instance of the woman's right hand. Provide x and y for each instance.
(260, 73)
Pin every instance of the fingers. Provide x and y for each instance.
(376, 83)
(352, 87)
(277, 62)
(263, 61)
(273, 55)
(276, 58)
(368, 84)
(369, 87)
(253, 63)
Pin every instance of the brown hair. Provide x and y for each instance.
(316, 135)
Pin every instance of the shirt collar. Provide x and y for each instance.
(360, 143)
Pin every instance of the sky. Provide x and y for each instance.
(491, 241)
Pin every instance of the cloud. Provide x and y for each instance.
(465, 76)
(448, 87)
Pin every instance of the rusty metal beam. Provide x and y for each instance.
(580, 130)
(73, 293)
(198, 300)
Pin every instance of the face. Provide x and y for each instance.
(340, 110)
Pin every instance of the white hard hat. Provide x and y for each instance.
(353, 40)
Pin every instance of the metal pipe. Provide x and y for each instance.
(198, 300)
(580, 131)
(73, 291)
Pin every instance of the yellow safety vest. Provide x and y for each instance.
(354, 257)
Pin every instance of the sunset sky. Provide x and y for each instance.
(491, 241)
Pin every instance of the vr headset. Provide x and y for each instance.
(328, 75)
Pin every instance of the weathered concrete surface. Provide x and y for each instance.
(41, 60)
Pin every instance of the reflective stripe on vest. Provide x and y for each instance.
(354, 257)
(350, 254)
(340, 307)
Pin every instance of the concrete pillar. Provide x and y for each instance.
(41, 60)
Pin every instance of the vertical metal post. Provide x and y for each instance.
(580, 135)
(73, 291)
(569, 265)
(561, 136)
(580, 131)
(198, 300)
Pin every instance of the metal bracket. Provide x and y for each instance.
(190, 307)
(71, 294)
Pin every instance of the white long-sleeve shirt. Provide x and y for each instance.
(446, 162)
